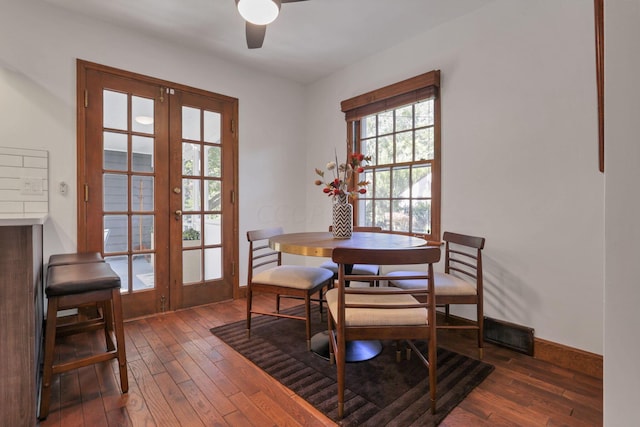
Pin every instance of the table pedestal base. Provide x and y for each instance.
(356, 351)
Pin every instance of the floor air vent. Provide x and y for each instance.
(509, 335)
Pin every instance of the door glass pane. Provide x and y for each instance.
(191, 123)
(115, 151)
(212, 166)
(191, 231)
(190, 159)
(141, 230)
(191, 194)
(141, 193)
(142, 154)
(212, 263)
(142, 114)
(143, 272)
(192, 266)
(114, 110)
(212, 229)
(214, 195)
(212, 127)
(120, 266)
(115, 192)
(116, 233)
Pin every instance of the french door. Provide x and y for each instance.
(156, 187)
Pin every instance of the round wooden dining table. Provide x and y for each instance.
(322, 244)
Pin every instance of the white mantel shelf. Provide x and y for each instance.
(10, 220)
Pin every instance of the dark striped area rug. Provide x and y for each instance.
(379, 392)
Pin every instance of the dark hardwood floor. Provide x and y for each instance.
(181, 375)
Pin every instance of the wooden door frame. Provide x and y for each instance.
(82, 66)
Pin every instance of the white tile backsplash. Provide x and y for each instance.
(21, 167)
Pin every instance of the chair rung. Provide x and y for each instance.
(76, 328)
(85, 361)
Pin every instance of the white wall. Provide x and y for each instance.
(622, 213)
(39, 45)
(519, 152)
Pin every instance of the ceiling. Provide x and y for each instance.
(309, 40)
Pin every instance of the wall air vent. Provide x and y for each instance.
(509, 335)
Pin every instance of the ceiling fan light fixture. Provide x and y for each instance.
(259, 12)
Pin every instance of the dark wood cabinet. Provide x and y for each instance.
(21, 318)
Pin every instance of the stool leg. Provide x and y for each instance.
(49, 349)
(118, 323)
(107, 316)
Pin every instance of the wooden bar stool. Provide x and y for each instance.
(70, 286)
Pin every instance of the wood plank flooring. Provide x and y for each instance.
(181, 375)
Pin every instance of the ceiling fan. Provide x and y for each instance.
(257, 14)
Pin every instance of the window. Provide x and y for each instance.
(399, 127)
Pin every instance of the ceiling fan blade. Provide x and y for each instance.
(290, 1)
(255, 35)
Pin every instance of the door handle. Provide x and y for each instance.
(178, 214)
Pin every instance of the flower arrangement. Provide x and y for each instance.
(339, 186)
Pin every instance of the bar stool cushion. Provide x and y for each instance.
(79, 278)
(75, 258)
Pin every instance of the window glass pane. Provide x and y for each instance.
(114, 110)
(382, 184)
(190, 194)
(424, 113)
(190, 123)
(212, 263)
(115, 151)
(404, 118)
(365, 212)
(385, 150)
(404, 147)
(368, 127)
(369, 149)
(190, 159)
(192, 266)
(212, 165)
(120, 266)
(191, 231)
(214, 195)
(115, 192)
(421, 182)
(385, 123)
(142, 114)
(424, 144)
(213, 229)
(142, 154)
(141, 232)
(400, 215)
(382, 214)
(116, 233)
(367, 176)
(143, 272)
(212, 127)
(421, 216)
(141, 193)
(401, 182)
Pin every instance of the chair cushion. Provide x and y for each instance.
(445, 284)
(79, 278)
(378, 317)
(75, 258)
(365, 269)
(293, 276)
